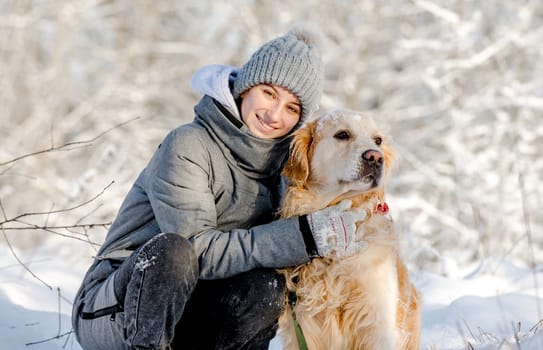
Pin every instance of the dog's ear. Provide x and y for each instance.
(301, 149)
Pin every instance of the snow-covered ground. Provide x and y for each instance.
(488, 306)
(457, 83)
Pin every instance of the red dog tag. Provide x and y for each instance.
(382, 208)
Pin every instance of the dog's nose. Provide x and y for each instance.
(373, 157)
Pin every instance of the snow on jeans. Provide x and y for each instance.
(156, 295)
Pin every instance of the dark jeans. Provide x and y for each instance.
(164, 303)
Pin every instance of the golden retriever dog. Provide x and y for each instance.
(363, 301)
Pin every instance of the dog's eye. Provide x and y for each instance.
(342, 135)
(378, 140)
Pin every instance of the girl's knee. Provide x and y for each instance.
(261, 291)
(170, 249)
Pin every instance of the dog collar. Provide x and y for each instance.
(382, 208)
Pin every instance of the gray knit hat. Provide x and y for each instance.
(292, 61)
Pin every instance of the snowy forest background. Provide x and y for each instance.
(88, 89)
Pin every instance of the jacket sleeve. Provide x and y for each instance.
(278, 244)
(178, 187)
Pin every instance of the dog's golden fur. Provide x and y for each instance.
(364, 301)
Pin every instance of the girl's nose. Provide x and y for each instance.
(274, 113)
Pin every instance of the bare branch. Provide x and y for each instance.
(15, 254)
(67, 146)
(16, 218)
(59, 314)
(45, 227)
(52, 229)
(49, 339)
(21, 262)
(57, 227)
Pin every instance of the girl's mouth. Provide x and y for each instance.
(264, 125)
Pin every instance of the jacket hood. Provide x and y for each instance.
(217, 81)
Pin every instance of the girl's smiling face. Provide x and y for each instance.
(270, 111)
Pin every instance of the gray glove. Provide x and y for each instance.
(334, 229)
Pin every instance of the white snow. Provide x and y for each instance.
(490, 305)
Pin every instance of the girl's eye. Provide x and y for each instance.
(378, 140)
(342, 135)
(294, 110)
(269, 92)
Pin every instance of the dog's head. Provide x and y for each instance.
(339, 153)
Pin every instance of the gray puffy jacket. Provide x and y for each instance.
(218, 186)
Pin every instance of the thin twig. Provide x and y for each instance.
(57, 227)
(530, 242)
(48, 214)
(66, 146)
(15, 254)
(50, 230)
(21, 262)
(516, 334)
(59, 314)
(45, 228)
(66, 341)
(16, 218)
(536, 328)
(49, 339)
(88, 214)
(6, 169)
